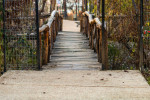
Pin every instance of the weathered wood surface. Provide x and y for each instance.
(71, 51)
(92, 28)
(47, 37)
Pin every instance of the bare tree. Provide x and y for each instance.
(65, 8)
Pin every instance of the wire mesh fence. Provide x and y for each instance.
(20, 36)
(123, 27)
(146, 36)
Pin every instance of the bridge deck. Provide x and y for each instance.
(56, 82)
(72, 51)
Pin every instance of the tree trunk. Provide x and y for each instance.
(53, 3)
(98, 8)
(83, 6)
(86, 5)
(65, 9)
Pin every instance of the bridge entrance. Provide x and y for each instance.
(119, 36)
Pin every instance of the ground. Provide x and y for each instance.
(73, 85)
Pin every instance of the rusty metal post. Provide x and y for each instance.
(104, 40)
(37, 30)
(141, 36)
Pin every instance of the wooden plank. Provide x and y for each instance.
(89, 57)
(76, 62)
(72, 47)
(73, 55)
(71, 50)
(78, 53)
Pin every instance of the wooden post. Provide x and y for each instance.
(61, 24)
(49, 45)
(40, 46)
(54, 31)
(100, 45)
(93, 35)
(45, 48)
(81, 23)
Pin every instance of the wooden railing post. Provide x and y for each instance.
(61, 23)
(93, 35)
(81, 23)
(49, 45)
(45, 48)
(50, 31)
(40, 46)
(99, 32)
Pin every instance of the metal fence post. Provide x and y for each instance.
(141, 36)
(4, 41)
(37, 30)
(104, 40)
(86, 8)
(103, 20)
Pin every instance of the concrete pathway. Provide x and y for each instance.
(73, 85)
(51, 84)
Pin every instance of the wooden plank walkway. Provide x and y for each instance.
(72, 52)
(73, 75)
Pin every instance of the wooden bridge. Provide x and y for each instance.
(63, 59)
(71, 72)
(73, 49)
